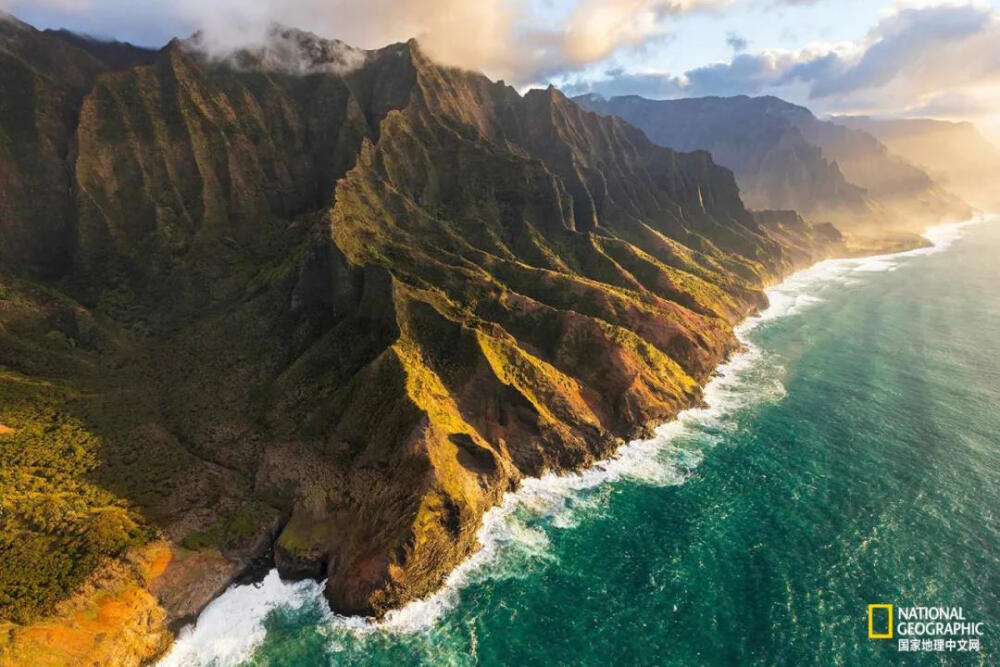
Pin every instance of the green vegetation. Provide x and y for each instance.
(228, 531)
(370, 302)
(56, 524)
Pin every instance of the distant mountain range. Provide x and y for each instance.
(786, 158)
(956, 155)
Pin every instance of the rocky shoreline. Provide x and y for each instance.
(262, 563)
(333, 318)
(163, 604)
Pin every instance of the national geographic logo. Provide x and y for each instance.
(938, 629)
(882, 611)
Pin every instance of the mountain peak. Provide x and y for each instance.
(289, 50)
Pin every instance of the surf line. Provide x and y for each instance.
(231, 627)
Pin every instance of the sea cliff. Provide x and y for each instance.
(325, 304)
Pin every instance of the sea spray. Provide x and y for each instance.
(232, 626)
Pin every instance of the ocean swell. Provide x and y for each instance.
(232, 626)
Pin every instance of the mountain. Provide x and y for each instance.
(786, 158)
(325, 304)
(957, 155)
(775, 165)
(110, 54)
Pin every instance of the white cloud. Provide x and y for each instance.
(598, 28)
(917, 57)
(510, 39)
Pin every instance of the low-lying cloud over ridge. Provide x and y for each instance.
(522, 41)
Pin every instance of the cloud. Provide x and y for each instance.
(926, 48)
(599, 28)
(964, 103)
(745, 74)
(914, 58)
(624, 83)
(736, 43)
(522, 41)
(929, 57)
(454, 31)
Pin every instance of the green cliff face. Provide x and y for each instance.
(337, 301)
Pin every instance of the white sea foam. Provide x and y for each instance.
(232, 626)
(804, 288)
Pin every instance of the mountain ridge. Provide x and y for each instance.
(955, 153)
(786, 158)
(337, 314)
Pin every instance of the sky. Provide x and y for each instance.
(887, 58)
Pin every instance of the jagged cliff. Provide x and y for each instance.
(786, 158)
(332, 301)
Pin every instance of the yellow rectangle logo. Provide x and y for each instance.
(871, 622)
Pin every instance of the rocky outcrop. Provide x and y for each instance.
(341, 308)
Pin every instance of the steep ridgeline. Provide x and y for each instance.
(956, 155)
(338, 301)
(785, 158)
(775, 166)
(44, 79)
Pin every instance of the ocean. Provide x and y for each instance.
(850, 456)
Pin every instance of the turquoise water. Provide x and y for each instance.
(852, 456)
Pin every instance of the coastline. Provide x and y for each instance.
(230, 627)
